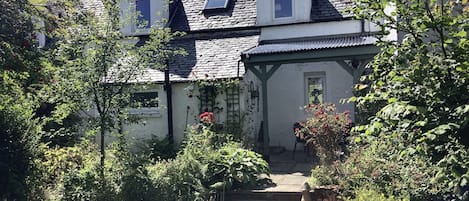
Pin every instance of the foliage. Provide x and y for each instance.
(415, 142)
(325, 131)
(390, 173)
(367, 194)
(27, 79)
(103, 66)
(158, 149)
(208, 162)
(233, 167)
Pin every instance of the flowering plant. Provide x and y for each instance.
(326, 131)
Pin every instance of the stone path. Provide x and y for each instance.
(288, 174)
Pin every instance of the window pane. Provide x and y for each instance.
(283, 8)
(315, 90)
(143, 11)
(145, 99)
(211, 4)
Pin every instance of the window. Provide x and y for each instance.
(143, 12)
(138, 16)
(283, 8)
(215, 4)
(315, 88)
(144, 99)
(207, 99)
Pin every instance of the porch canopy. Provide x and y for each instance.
(351, 52)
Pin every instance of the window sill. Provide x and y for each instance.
(146, 111)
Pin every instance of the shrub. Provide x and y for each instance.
(326, 131)
(208, 162)
(368, 194)
(233, 167)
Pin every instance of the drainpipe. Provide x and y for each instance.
(238, 67)
(362, 26)
(169, 100)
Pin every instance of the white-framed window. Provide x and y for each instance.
(216, 4)
(143, 14)
(138, 16)
(145, 103)
(283, 9)
(315, 87)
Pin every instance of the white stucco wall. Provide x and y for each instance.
(185, 112)
(286, 97)
(315, 30)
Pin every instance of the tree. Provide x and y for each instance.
(105, 66)
(414, 145)
(26, 77)
(420, 87)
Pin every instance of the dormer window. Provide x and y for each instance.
(138, 16)
(283, 9)
(215, 4)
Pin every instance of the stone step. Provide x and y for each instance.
(262, 196)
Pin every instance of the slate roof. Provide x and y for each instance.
(214, 58)
(313, 44)
(326, 10)
(189, 15)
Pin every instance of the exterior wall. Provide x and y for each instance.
(185, 112)
(286, 93)
(265, 14)
(316, 29)
(252, 107)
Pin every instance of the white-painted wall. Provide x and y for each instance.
(185, 112)
(315, 29)
(286, 97)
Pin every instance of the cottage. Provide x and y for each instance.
(285, 54)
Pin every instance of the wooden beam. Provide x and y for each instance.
(346, 66)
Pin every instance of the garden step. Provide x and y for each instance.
(263, 196)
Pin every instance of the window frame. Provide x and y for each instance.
(146, 111)
(283, 18)
(135, 21)
(134, 29)
(216, 8)
(315, 75)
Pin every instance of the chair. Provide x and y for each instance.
(299, 138)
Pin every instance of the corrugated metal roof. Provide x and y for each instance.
(313, 44)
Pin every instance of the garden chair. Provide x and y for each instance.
(299, 138)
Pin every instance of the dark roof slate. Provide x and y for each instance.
(325, 10)
(313, 44)
(215, 58)
(190, 15)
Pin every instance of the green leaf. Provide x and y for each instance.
(462, 34)
(392, 100)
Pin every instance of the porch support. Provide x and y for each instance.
(263, 74)
(355, 68)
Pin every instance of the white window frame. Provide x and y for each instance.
(147, 111)
(224, 7)
(280, 19)
(129, 12)
(321, 75)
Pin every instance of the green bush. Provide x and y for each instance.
(208, 162)
(233, 167)
(391, 172)
(367, 194)
(326, 131)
